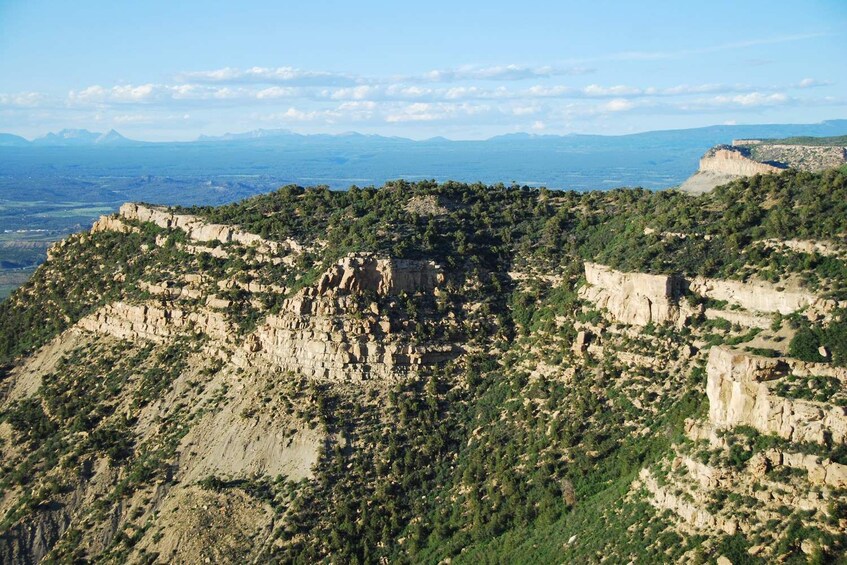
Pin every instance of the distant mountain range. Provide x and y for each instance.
(69, 138)
(714, 134)
(265, 158)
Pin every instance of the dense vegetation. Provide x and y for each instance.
(484, 459)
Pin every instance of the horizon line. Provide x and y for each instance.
(286, 131)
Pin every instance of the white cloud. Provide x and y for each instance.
(429, 112)
(811, 83)
(276, 92)
(22, 99)
(263, 75)
(618, 90)
(752, 99)
(618, 105)
(360, 92)
(128, 93)
(525, 110)
(403, 91)
(499, 73)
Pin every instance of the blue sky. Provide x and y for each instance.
(465, 70)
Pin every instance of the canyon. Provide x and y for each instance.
(391, 374)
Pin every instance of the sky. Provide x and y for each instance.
(174, 70)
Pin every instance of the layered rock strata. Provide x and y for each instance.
(632, 298)
(740, 393)
(323, 331)
(734, 161)
(148, 322)
(639, 298)
(196, 228)
(757, 296)
(317, 334)
(314, 337)
(366, 272)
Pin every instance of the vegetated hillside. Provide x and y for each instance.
(432, 371)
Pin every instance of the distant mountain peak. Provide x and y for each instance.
(82, 137)
(260, 133)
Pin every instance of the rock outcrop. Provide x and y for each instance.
(112, 223)
(740, 395)
(748, 157)
(148, 322)
(804, 157)
(632, 298)
(734, 161)
(691, 511)
(322, 333)
(723, 164)
(758, 296)
(365, 272)
(196, 228)
(640, 298)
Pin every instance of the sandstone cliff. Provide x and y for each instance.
(740, 390)
(725, 163)
(639, 298)
(196, 228)
(632, 298)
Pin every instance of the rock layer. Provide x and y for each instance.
(316, 335)
(144, 321)
(632, 298)
(365, 272)
(733, 161)
(639, 298)
(198, 229)
(739, 395)
(757, 296)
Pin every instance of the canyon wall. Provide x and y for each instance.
(632, 298)
(731, 161)
(740, 393)
(149, 322)
(195, 227)
(366, 272)
(640, 298)
(324, 331)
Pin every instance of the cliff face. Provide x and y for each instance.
(195, 228)
(322, 331)
(803, 157)
(149, 322)
(383, 276)
(639, 298)
(744, 158)
(724, 164)
(734, 162)
(740, 390)
(633, 298)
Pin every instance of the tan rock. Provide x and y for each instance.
(757, 296)
(723, 164)
(111, 223)
(367, 272)
(199, 230)
(739, 394)
(154, 323)
(632, 298)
